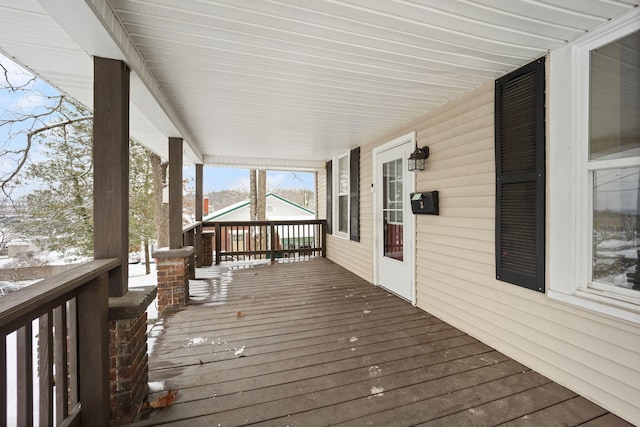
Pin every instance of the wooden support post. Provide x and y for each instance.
(111, 167)
(93, 352)
(198, 237)
(175, 193)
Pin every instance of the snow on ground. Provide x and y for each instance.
(138, 278)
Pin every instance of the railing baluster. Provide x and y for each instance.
(250, 238)
(45, 371)
(264, 239)
(272, 239)
(256, 242)
(72, 343)
(244, 241)
(60, 361)
(324, 239)
(218, 242)
(298, 241)
(3, 376)
(24, 363)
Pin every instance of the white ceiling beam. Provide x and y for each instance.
(264, 163)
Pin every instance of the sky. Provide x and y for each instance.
(215, 179)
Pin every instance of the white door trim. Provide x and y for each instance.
(411, 181)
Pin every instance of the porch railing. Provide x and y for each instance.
(192, 236)
(272, 240)
(66, 318)
(190, 233)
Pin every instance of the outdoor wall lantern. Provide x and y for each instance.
(418, 158)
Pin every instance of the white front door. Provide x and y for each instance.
(394, 220)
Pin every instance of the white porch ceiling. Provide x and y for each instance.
(288, 83)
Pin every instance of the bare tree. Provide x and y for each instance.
(161, 209)
(10, 83)
(142, 226)
(6, 234)
(36, 115)
(32, 113)
(261, 204)
(253, 196)
(58, 214)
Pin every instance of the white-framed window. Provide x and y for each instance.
(342, 196)
(594, 164)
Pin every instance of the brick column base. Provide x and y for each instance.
(128, 360)
(207, 249)
(174, 269)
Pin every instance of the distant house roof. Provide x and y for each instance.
(295, 209)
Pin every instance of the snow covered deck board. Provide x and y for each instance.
(310, 343)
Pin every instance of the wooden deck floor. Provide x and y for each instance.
(310, 344)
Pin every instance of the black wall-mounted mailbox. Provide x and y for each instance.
(425, 203)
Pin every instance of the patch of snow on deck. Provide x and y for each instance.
(375, 371)
(377, 391)
(191, 342)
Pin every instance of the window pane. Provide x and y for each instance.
(614, 111)
(616, 203)
(343, 175)
(343, 214)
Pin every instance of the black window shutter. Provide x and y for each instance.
(520, 176)
(354, 194)
(329, 196)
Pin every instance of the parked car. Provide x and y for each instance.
(8, 287)
(134, 257)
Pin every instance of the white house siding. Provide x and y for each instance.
(594, 355)
(358, 256)
(280, 210)
(241, 214)
(277, 209)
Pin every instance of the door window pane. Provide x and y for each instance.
(392, 209)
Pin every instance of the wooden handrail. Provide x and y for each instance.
(191, 226)
(72, 309)
(275, 222)
(35, 300)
